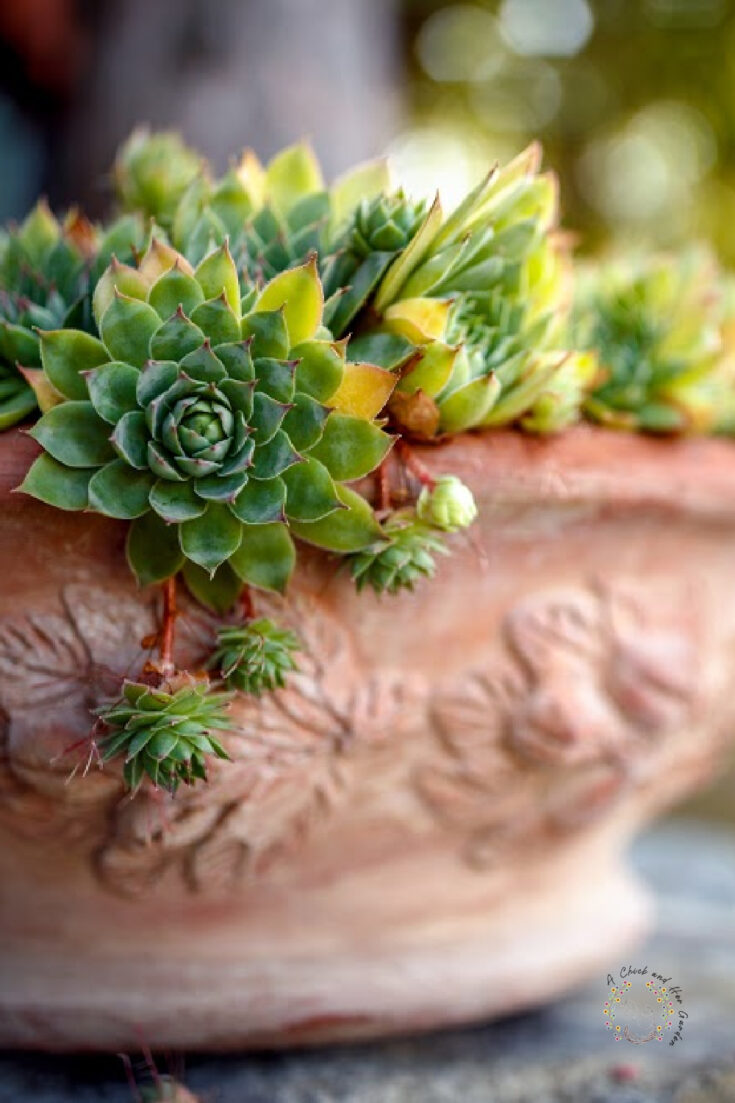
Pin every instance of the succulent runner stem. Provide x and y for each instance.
(167, 626)
(247, 604)
(414, 465)
(383, 498)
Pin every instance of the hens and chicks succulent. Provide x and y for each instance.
(218, 364)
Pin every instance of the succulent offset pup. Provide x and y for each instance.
(219, 426)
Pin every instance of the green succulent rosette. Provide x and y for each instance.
(166, 733)
(471, 313)
(48, 270)
(152, 171)
(220, 426)
(661, 329)
(276, 216)
(255, 656)
(467, 310)
(404, 554)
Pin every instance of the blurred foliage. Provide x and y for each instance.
(634, 101)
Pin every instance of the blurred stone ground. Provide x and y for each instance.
(561, 1054)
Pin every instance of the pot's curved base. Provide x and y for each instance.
(515, 957)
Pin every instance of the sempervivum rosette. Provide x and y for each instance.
(217, 425)
(48, 271)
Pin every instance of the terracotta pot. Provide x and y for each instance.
(427, 826)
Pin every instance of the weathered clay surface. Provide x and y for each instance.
(425, 826)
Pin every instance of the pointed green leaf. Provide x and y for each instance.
(261, 501)
(347, 530)
(127, 328)
(304, 422)
(20, 402)
(237, 361)
(266, 557)
(117, 277)
(310, 491)
(274, 458)
(363, 281)
(57, 485)
(19, 345)
(292, 174)
(217, 321)
(363, 182)
(387, 350)
(112, 390)
(299, 292)
(320, 368)
(176, 338)
(268, 416)
(276, 378)
(221, 488)
(130, 439)
(117, 490)
(218, 592)
(267, 334)
(212, 538)
(203, 365)
(217, 274)
(432, 370)
(350, 447)
(153, 549)
(174, 289)
(155, 378)
(466, 407)
(410, 258)
(176, 502)
(65, 354)
(74, 434)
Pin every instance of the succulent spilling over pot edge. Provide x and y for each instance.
(219, 363)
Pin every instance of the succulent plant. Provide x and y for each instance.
(219, 427)
(47, 272)
(402, 555)
(449, 505)
(152, 171)
(375, 233)
(254, 656)
(471, 311)
(467, 309)
(165, 733)
(277, 215)
(657, 327)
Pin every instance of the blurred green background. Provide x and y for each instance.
(634, 101)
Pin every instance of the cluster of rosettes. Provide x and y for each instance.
(468, 310)
(662, 331)
(48, 271)
(219, 425)
(219, 379)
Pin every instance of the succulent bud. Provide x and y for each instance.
(448, 505)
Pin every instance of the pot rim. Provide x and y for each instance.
(582, 465)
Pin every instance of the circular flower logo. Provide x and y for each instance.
(638, 1010)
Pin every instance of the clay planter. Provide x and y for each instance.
(427, 826)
